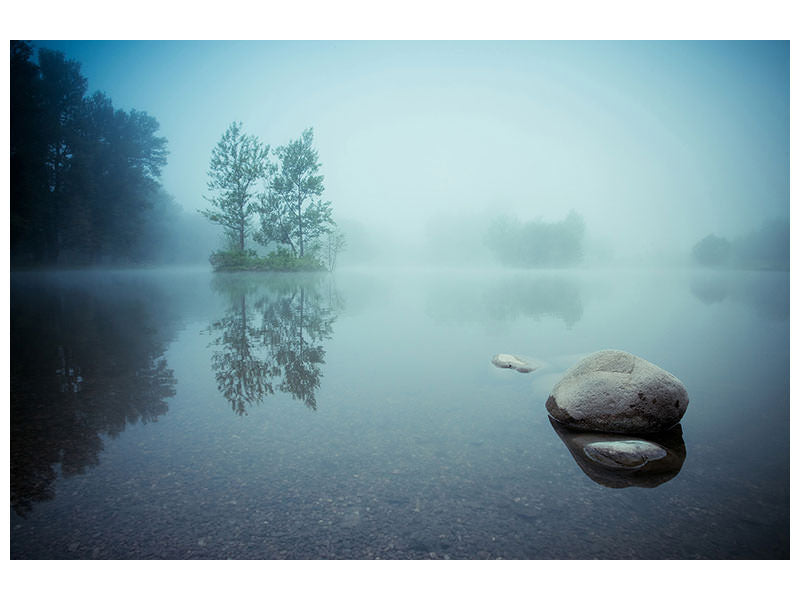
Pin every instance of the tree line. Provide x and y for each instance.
(766, 247)
(84, 175)
(537, 243)
(284, 197)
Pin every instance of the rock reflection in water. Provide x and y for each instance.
(271, 336)
(619, 461)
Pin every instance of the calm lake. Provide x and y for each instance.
(178, 414)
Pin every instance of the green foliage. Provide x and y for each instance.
(279, 260)
(292, 212)
(231, 259)
(536, 243)
(238, 163)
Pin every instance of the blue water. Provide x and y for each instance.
(183, 414)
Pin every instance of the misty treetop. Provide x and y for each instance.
(239, 163)
(766, 247)
(291, 212)
(712, 251)
(537, 243)
(83, 174)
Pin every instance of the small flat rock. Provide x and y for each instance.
(510, 361)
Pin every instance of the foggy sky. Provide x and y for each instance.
(656, 144)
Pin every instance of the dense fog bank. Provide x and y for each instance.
(462, 155)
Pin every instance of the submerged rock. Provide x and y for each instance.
(616, 392)
(618, 461)
(509, 361)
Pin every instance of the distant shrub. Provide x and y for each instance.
(712, 251)
(537, 243)
(231, 259)
(283, 260)
(248, 260)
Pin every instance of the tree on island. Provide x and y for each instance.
(293, 218)
(238, 163)
(292, 212)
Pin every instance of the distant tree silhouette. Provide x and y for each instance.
(537, 243)
(83, 175)
(712, 251)
(766, 247)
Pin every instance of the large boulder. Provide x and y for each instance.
(616, 392)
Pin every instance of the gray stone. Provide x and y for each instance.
(510, 361)
(616, 392)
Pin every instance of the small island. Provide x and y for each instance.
(295, 224)
(277, 260)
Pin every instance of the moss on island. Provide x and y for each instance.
(248, 260)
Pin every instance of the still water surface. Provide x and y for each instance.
(185, 414)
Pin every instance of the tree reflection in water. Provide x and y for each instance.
(86, 361)
(505, 298)
(272, 335)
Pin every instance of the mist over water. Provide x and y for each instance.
(654, 144)
(177, 392)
